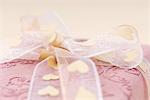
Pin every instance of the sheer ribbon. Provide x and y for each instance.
(120, 47)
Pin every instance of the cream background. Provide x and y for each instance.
(85, 18)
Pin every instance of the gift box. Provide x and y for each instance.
(48, 64)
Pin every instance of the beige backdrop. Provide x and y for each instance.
(83, 17)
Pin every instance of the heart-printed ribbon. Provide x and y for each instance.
(120, 47)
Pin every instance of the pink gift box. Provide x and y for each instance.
(117, 83)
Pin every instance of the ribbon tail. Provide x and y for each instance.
(37, 82)
(74, 83)
(69, 84)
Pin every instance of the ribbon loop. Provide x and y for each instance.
(115, 48)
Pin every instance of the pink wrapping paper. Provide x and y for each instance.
(117, 83)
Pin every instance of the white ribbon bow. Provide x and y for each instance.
(120, 48)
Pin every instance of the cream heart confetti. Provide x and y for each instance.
(50, 77)
(49, 90)
(78, 66)
(84, 94)
(52, 62)
(125, 31)
(130, 56)
(53, 38)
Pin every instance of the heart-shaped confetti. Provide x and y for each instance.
(50, 77)
(130, 56)
(84, 94)
(49, 90)
(78, 66)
